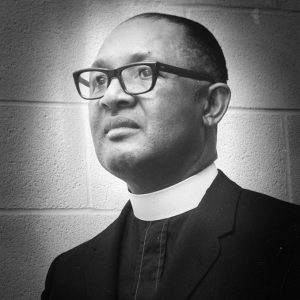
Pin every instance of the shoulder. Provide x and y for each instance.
(68, 268)
(263, 215)
(80, 255)
(264, 205)
(251, 205)
(257, 213)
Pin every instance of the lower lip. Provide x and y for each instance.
(120, 132)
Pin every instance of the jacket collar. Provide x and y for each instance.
(211, 220)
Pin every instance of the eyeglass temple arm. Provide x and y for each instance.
(185, 73)
(83, 81)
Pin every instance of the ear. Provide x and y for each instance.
(216, 105)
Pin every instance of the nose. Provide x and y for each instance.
(115, 98)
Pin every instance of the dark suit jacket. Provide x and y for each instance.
(238, 244)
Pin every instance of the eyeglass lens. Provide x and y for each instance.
(136, 79)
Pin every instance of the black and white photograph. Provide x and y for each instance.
(150, 149)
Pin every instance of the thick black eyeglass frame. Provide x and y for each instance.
(156, 67)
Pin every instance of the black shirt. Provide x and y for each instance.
(148, 247)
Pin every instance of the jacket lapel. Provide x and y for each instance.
(199, 246)
(102, 270)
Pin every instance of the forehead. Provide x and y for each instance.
(142, 40)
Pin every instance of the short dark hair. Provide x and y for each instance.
(200, 43)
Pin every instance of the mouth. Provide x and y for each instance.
(119, 123)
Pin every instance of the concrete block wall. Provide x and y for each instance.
(53, 193)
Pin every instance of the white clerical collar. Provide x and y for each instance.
(173, 200)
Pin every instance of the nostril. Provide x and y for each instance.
(104, 105)
(122, 103)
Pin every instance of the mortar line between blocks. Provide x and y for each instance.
(5, 102)
(239, 9)
(74, 104)
(288, 161)
(274, 111)
(58, 212)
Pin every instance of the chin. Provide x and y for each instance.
(119, 163)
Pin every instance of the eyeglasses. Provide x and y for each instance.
(135, 79)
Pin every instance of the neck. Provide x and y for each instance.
(175, 199)
(158, 176)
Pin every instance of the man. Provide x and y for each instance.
(157, 91)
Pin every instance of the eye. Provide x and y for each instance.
(145, 73)
(100, 80)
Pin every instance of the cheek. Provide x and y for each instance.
(95, 120)
(173, 109)
(92, 116)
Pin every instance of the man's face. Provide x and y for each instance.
(156, 130)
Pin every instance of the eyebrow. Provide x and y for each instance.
(135, 57)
